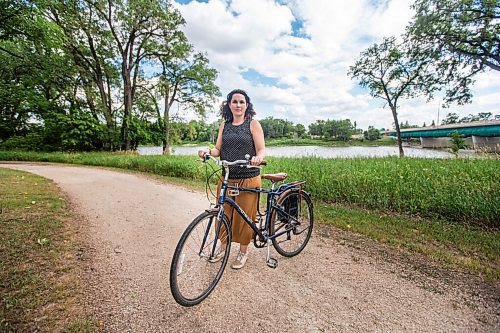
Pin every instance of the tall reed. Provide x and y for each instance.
(461, 190)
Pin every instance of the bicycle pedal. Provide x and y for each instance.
(273, 263)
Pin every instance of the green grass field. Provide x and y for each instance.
(38, 264)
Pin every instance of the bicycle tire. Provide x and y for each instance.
(192, 276)
(294, 241)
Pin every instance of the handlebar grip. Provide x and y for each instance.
(264, 162)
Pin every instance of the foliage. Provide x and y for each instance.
(77, 131)
(452, 118)
(392, 71)
(372, 134)
(340, 130)
(407, 125)
(461, 37)
(274, 128)
(457, 142)
(36, 77)
(80, 56)
(31, 142)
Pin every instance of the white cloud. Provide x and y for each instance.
(307, 70)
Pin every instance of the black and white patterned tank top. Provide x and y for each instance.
(237, 141)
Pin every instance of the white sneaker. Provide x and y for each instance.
(239, 262)
(219, 254)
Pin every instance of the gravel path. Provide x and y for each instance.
(339, 283)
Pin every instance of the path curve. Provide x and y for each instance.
(133, 222)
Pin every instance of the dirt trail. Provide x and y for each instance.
(132, 224)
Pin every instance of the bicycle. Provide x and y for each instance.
(287, 223)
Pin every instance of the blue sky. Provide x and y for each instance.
(292, 58)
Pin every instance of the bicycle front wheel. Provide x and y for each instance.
(293, 221)
(196, 269)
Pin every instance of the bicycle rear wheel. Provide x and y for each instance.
(296, 214)
(194, 273)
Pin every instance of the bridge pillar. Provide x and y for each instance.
(490, 144)
(435, 142)
(441, 142)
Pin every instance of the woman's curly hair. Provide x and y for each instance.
(225, 111)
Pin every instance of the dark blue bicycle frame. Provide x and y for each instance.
(223, 198)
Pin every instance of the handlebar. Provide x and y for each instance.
(242, 163)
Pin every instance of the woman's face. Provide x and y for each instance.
(238, 105)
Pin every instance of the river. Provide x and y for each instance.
(324, 152)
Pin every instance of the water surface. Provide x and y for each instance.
(320, 151)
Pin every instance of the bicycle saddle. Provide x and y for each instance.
(275, 177)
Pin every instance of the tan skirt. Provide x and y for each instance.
(241, 231)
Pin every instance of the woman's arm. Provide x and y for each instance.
(215, 152)
(258, 140)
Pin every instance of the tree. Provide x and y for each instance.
(340, 130)
(316, 128)
(451, 118)
(407, 125)
(90, 45)
(188, 80)
(110, 41)
(62, 58)
(457, 142)
(300, 130)
(392, 71)
(137, 26)
(462, 38)
(37, 78)
(372, 134)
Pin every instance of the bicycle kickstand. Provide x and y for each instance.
(271, 262)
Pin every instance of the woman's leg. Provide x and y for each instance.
(242, 232)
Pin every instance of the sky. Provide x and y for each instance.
(292, 58)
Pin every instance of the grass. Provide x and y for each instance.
(452, 245)
(38, 265)
(461, 190)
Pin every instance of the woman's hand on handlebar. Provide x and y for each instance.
(203, 152)
(258, 160)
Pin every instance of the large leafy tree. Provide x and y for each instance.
(37, 79)
(92, 52)
(462, 37)
(76, 56)
(186, 79)
(392, 71)
(111, 39)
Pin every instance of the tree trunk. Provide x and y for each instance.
(127, 103)
(398, 131)
(166, 125)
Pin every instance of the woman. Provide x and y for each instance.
(240, 135)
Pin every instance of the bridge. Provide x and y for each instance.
(477, 135)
